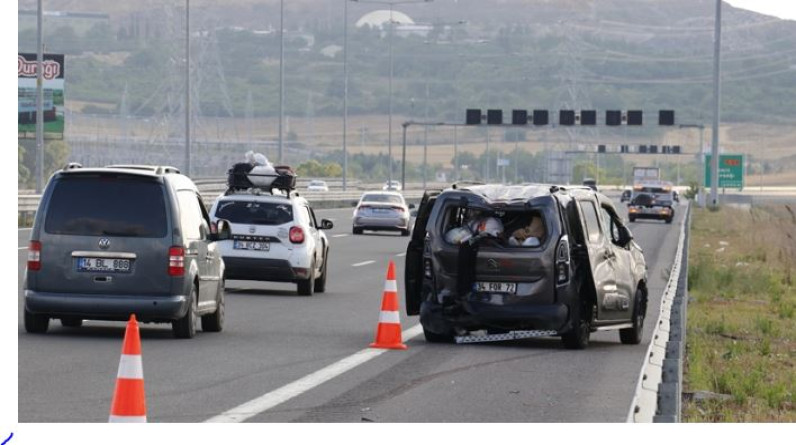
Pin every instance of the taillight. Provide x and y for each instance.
(296, 235)
(34, 255)
(400, 209)
(562, 260)
(176, 261)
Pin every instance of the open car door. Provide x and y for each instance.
(601, 257)
(413, 269)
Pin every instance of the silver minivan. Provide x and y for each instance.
(120, 240)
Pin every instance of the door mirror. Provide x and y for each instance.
(624, 235)
(220, 231)
(326, 224)
(354, 203)
(413, 213)
(411, 206)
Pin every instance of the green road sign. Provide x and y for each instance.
(731, 169)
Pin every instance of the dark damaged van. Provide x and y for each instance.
(553, 259)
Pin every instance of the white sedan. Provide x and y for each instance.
(318, 186)
(392, 185)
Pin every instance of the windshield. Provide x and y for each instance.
(378, 197)
(250, 212)
(107, 206)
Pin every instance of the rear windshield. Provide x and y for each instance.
(107, 206)
(511, 228)
(392, 199)
(249, 212)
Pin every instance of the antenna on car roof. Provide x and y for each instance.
(164, 169)
(72, 166)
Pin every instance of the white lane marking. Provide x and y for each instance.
(340, 235)
(364, 263)
(401, 254)
(281, 395)
(20, 248)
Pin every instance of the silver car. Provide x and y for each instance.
(382, 211)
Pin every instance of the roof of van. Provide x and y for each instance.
(497, 192)
(178, 180)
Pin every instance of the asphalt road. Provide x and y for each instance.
(274, 337)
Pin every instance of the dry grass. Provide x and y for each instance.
(741, 327)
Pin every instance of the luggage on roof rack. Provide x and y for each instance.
(245, 176)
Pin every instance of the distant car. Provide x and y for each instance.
(392, 185)
(626, 195)
(382, 211)
(590, 183)
(652, 202)
(317, 186)
(120, 240)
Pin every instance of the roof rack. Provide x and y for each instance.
(458, 184)
(259, 191)
(157, 169)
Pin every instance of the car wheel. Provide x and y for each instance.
(71, 322)
(631, 219)
(357, 231)
(432, 337)
(215, 322)
(306, 287)
(632, 336)
(36, 324)
(185, 327)
(668, 220)
(405, 232)
(578, 337)
(320, 282)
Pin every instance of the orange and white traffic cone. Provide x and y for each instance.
(388, 333)
(129, 402)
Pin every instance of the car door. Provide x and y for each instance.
(213, 255)
(600, 258)
(314, 235)
(194, 238)
(413, 270)
(319, 258)
(622, 263)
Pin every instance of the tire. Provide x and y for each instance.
(215, 322)
(668, 220)
(185, 327)
(71, 322)
(632, 336)
(305, 287)
(432, 337)
(578, 337)
(405, 232)
(631, 219)
(36, 324)
(357, 231)
(320, 282)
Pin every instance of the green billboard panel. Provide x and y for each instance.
(731, 171)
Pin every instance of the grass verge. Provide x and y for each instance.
(740, 344)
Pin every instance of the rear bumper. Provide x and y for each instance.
(651, 215)
(368, 223)
(548, 317)
(106, 307)
(262, 269)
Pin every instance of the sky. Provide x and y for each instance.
(784, 9)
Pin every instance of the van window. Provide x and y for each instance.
(249, 212)
(190, 215)
(107, 206)
(509, 228)
(592, 221)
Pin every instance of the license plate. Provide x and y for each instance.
(382, 210)
(490, 286)
(103, 265)
(252, 245)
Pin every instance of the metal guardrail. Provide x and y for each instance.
(660, 384)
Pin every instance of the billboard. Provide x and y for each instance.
(53, 73)
(731, 171)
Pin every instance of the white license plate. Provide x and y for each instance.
(252, 245)
(382, 210)
(490, 286)
(103, 265)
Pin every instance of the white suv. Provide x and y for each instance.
(274, 238)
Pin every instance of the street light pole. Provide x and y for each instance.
(281, 74)
(39, 101)
(345, 93)
(714, 162)
(700, 194)
(187, 87)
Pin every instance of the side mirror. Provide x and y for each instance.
(220, 231)
(624, 236)
(326, 224)
(411, 206)
(413, 213)
(354, 203)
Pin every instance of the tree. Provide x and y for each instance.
(56, 154)
(24, 173)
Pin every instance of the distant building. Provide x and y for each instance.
(404, 25)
